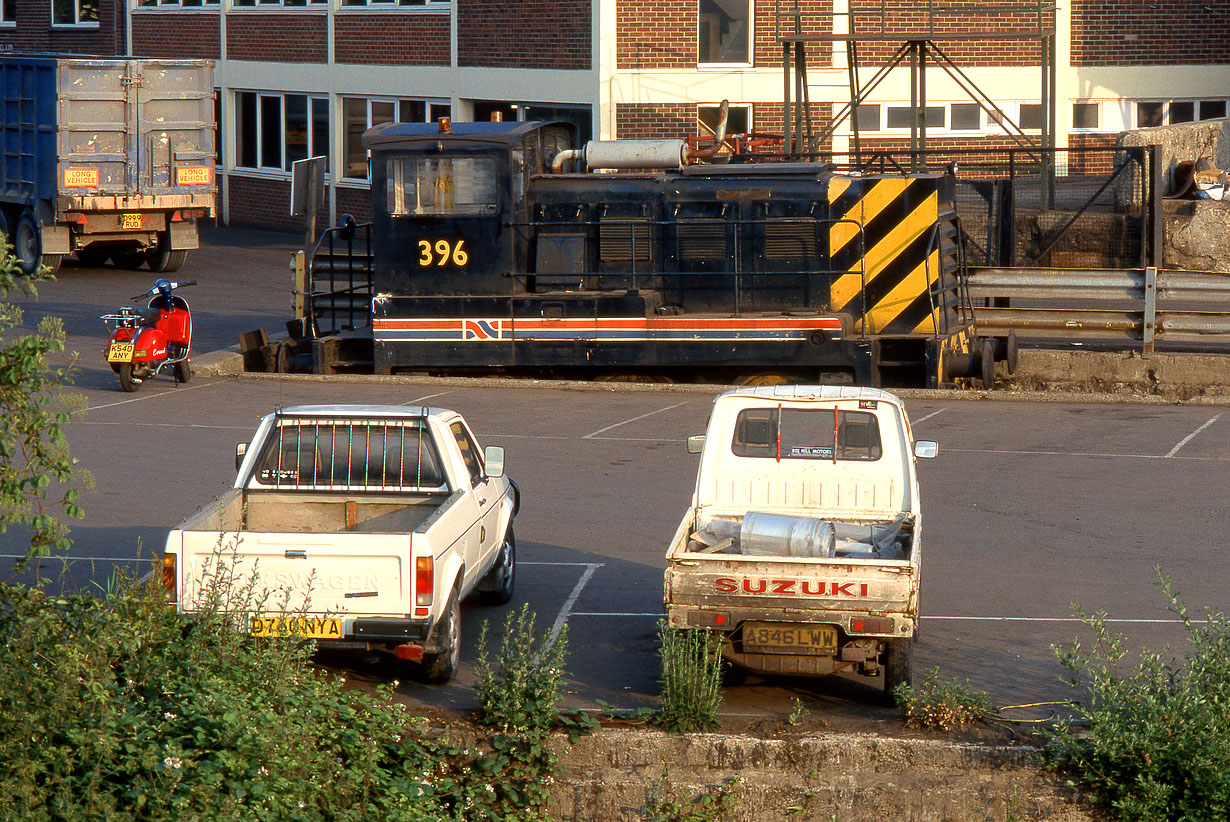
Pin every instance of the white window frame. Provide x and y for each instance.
(751, 42)
(344, 160)
(280, 5)
(399, 6)
(1097, 126)
(78, 23)
(5, 22)
(281, 96)
(177, 5)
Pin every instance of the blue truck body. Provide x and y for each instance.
(105, 158)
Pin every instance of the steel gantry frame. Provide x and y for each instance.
(919, 29)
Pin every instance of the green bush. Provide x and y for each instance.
(117, 708)
(943, 705)
(522, 691)
(1150, 742)
(691, 684)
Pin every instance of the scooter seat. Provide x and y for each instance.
(149, 316)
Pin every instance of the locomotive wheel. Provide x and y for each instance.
(1010, 352)
(126, 380)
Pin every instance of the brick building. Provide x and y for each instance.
(298, 78)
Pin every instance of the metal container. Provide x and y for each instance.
(774, 535)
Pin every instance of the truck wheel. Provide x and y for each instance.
(440, 667)
(28, 243)
(898, 657)
(126, 380)
(165, 260)
(183, 371)
(497, 586)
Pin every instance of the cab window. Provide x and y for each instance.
(800, 433)
(469, 452)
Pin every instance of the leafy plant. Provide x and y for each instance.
(665, 805)
(943, 705)
(1151, 742)
(40, 482)
(798, 713)
(691, 683)
(522, 690)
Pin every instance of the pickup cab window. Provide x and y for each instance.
(807, 434)
(469, 452)
(327, 454)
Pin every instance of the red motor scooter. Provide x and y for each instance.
(146, 340)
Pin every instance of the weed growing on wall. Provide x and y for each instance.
(691, 683)
(664, 804)
(944, 705)
(1150, 742)
(522, 689)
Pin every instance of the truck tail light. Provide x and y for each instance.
(424, 581)
(168, 574)
(871, 626)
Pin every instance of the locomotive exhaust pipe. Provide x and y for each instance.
(628, 154)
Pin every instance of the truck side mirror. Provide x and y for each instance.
(241, 450)
(926, 449)
(493, 458)
(695, 443)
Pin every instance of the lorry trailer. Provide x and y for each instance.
(105, 158)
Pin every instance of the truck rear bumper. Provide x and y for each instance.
(389, 630)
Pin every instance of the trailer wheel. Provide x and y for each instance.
(440, 667)
(898, 658)
(28, 244)
(165, 260)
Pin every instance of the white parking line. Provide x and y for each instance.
(419, 401)
(1191, 436)
(929, 416)
(625, 422)
(1073, 454)
(566, 611)
(177, 390)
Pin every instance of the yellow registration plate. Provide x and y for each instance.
(120, 352)
(130, 220)
(782, 638)
(304, 626)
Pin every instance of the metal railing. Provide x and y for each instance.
(1147, 306)
(340, 278)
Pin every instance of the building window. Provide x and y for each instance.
(965, 117)
(1086, 115)
(901, 117)
(274, 130)
(268, 4)
(724, 32)
(361, 113)
(1151, 113)
(1031, 117)
(388, 4)
(176, 4)
(74, 12)
(8, 12)
(868, 117)
(738, 120)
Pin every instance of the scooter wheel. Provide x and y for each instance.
(126, 380)
(183, 371)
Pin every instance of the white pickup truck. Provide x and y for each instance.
(803, 543)
(365, 527)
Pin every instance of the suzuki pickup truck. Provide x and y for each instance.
(364, 527)
(803, 542)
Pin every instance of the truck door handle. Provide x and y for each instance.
(296, 554)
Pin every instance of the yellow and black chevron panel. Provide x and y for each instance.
(888, 244)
